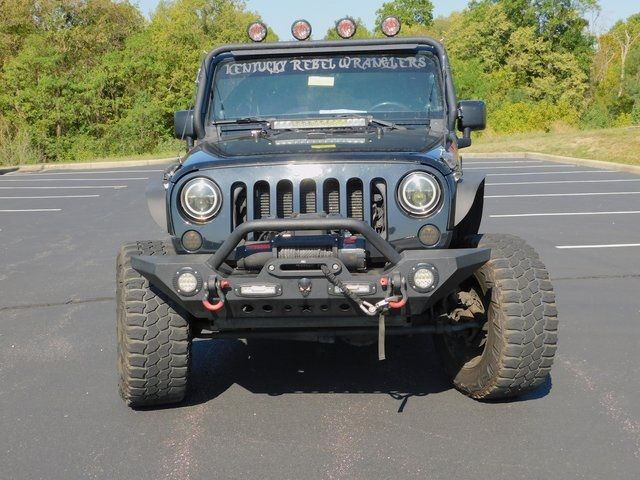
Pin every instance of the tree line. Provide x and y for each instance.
(90, 78)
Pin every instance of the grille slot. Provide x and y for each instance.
(331, 196)
(308, 196)
(285, 199)
(261, 200)
(239, 207)
(379, 206)
(355, 203)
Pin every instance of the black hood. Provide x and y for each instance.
(412, 145)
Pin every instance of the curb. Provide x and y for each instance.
(622, 167)
(89, 165)
(4, 170)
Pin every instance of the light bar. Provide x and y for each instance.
(259, 290)
(301, 30)
(346, 28)
(257, 32)
(319, 123)
(391, 26)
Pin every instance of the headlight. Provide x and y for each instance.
(419, 194)
(201, 199)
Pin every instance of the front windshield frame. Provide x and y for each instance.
(431, 70)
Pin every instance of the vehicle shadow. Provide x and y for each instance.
(275, 367)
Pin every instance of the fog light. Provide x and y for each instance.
(187, 282)
(192, 241)
(423, 277)
(429, 235)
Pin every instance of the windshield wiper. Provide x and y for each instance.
(377, 121)
(245, 120)
(385, 123)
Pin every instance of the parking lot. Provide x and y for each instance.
(286, 410)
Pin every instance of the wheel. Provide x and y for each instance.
(154, 338)
(512, 299)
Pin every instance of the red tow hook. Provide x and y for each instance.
(399, 304)
(220, 287)
(213, 307)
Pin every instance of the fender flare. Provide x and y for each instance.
(157, 202)
(469, 205)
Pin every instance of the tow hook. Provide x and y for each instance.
(216, 287)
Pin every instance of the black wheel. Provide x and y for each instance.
(512, 299)
(154, 339)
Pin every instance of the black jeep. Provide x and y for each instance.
(323, 197)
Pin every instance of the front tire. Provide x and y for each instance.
(154, 338)
(513, 352)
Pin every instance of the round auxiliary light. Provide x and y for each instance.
(423, 277)
(192, 241)
(201, 199)
(429, 235)
(187, 282)
(391, 26)
(257, 31)
(346, 28)
(301, 30)
(419, 194)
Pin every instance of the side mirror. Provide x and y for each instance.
(472, 116)
(183, 128)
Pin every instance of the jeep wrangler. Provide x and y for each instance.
(323, 197)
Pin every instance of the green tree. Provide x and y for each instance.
(409, 12)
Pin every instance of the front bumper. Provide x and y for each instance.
(318, 304)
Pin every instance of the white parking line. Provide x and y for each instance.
(71, 179)
(561, 194)
(563, 214)
(89, 172)
(552, 173)
(49, 196)
(518, 166)
(75, 187)
(32, 210)
(499, 162)
(613, 245)
(567, 181)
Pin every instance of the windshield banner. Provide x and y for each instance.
(343, 64)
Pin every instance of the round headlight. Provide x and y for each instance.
(419, 194)
(201, 199)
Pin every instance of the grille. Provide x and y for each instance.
(356, 198)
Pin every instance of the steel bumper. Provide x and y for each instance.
(296, 293)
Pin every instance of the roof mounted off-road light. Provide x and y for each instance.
(257, 32)
(346, 27)
(301, 30)
(391, 26)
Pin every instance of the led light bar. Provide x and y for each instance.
(319, 123)
(255, 290)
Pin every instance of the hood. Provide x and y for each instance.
(417, 146)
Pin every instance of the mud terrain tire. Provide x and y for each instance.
(154, 339)
(521, 324)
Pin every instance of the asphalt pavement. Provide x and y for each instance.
(287, 410)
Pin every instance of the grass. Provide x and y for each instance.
(618, 145)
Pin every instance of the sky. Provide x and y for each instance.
(280, 14)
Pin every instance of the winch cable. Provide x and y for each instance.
(381, 308)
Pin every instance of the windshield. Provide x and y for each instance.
(394, 87)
